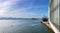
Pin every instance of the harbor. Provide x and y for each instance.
(29, 16)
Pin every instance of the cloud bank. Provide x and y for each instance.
(19, 8)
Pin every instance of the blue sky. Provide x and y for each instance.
(24, 8)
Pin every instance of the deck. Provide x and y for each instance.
(48, 26)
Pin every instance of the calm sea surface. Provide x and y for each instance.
(22, 26)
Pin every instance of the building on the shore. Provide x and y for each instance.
(54, 15)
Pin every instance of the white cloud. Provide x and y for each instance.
(5, 5)
(22, 13)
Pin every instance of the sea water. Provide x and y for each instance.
(22, 26)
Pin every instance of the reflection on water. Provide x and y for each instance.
(22, 26)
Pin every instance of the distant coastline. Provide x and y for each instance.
(19, 18)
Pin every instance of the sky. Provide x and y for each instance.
(24, 8)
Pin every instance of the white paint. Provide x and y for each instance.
(54, 16)
(54, 28)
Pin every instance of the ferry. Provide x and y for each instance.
(54, 15)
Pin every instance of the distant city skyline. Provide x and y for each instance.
(24, 8)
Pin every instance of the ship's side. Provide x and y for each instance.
(54, 15)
